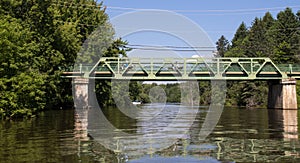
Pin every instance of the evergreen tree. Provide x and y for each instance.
(238, 47)
(239, 35)
(268, 20)
(222, 46)
(257, 41)
(286, 37)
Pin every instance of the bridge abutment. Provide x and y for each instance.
(282, 94)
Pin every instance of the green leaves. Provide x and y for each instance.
(24, 91)
(38, 39)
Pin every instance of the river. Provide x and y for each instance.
(156, 135)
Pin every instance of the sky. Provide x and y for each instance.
(214, 17)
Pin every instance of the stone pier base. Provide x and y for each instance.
(282, 94)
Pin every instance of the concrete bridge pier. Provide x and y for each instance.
(282, 94)
(81, 92)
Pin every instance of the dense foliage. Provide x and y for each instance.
(39, 38)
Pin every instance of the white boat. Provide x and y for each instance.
(136, 102)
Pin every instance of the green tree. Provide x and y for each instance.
(205, 92)
(44, 38)
(239, 35)
(135, 90)
(22, 87)
(253, 94)
(222, 46)
(238, 47)
(257, 41)
(268, 20)
(173, 93)
(286, 37)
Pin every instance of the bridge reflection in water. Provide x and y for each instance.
(241, 135)
(288, 121)
(290, 128)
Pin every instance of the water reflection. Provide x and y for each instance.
(287, 129)
(81, 123)
(46, 138)
(157, 127)
(290, 124)
(241, 135)
(283, 123)
(257, 135)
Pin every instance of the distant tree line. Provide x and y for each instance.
(179, 92)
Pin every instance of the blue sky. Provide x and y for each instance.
(215, 17)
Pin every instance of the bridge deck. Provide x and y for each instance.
(184, 69)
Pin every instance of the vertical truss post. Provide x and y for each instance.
(218, 68)
(251, 75)
(118, 64)
(291, 68)
(80, 68)
(184, 67)
(251, 66)
(151, 66)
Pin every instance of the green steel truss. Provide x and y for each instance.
(165, 69)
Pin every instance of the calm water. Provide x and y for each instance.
(155, 135)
